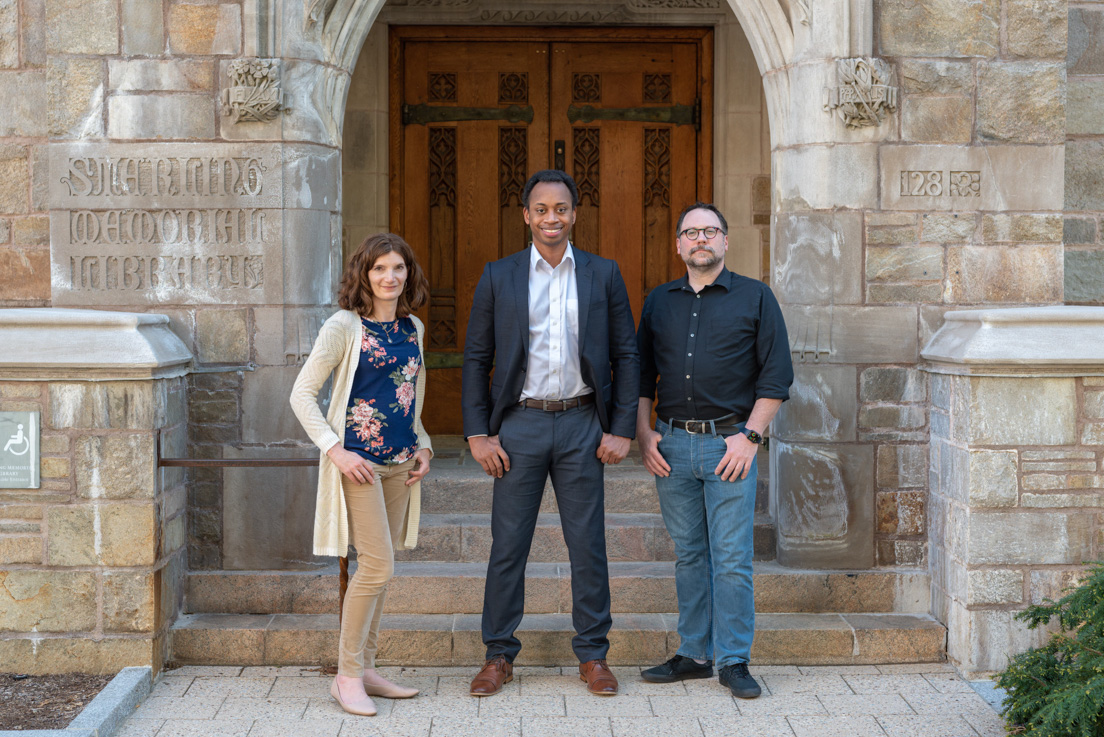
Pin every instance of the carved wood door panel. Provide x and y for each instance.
(472, 119)
(634, 173)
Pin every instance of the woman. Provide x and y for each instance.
(375, 450)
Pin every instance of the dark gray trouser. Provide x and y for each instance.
(563, 445)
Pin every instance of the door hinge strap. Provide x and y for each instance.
(423, 114)
(675, 114)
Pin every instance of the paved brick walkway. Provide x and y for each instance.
(854, 701)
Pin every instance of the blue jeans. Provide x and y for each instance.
(711, 523)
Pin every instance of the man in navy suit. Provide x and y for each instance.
(555, 324)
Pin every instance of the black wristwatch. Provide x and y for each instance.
(754, 436)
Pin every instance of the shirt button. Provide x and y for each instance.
(691, 335)
(688, 376)
(695, 314)
(689, 354)
(688, 399)
(699, 296)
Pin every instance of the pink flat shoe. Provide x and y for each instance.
(390, 691)
(363, 708)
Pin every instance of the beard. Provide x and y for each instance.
(703, 257)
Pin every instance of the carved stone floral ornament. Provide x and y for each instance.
(862, 96)
(254, 93)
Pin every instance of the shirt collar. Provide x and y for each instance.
(723, 280)
(535, 257)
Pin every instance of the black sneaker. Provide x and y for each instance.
(678, 668)
(739, 681)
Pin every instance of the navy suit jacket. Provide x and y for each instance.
(498, 337)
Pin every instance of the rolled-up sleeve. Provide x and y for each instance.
(773, 351)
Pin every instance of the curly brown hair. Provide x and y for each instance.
(355, 292)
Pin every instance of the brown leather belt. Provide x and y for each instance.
(558, 405)
(698, 427)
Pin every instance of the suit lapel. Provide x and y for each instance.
(521, 295)
(584, 281)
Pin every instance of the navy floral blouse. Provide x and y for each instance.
(379, 421)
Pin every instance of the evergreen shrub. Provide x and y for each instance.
(1057, 690)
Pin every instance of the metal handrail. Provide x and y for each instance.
(342, 561)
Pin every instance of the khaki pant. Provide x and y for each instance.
(377, 516)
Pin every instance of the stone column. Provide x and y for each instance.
(194, 171)
(824, 175)
(93, 561)
(1016, 487)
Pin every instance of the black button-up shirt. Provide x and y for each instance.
(713, 352)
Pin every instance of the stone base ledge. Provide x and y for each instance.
(51, 343)
(1024, 341)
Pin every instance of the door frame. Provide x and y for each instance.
(702, 36)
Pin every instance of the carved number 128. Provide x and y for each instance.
(921, 183)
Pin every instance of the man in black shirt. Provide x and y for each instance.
(717, 344)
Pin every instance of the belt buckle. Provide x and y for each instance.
(695, 423)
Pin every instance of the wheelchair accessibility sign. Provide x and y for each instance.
(19, 433)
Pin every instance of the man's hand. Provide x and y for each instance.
(421, 467)
(488, 452)
(648, 440)
(354, 467)
(737, 459)
(613, 448)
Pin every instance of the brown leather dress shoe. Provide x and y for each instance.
(490, 678)
(599, 678)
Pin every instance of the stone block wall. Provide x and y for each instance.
(90, 71)
(126, 185)
(92, 564)
(953, 200)
(364, 163)
(1084, 278)
(978, 81)
(741, 150)
(1016, 488)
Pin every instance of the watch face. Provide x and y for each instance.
(754, 436)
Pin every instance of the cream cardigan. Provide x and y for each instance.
(337, 351)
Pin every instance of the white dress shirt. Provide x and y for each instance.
(553, 370)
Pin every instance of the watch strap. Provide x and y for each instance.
(753, 436)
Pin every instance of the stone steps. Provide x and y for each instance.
(642, 587)
(636, 639)
(466, 538)
(436, 596)
(457, 485)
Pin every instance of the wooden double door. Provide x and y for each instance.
(474, 112)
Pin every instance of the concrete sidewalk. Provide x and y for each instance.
(926, 700)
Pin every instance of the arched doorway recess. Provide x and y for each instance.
(822, 175)
(635, 173)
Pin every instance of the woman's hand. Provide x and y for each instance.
(421, 467)
(352, 466)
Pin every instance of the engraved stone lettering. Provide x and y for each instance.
(167, 227)
(184, 176)
(172, 223)
(923, 183)
(140, 272)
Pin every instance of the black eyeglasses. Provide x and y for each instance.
(692, 233)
